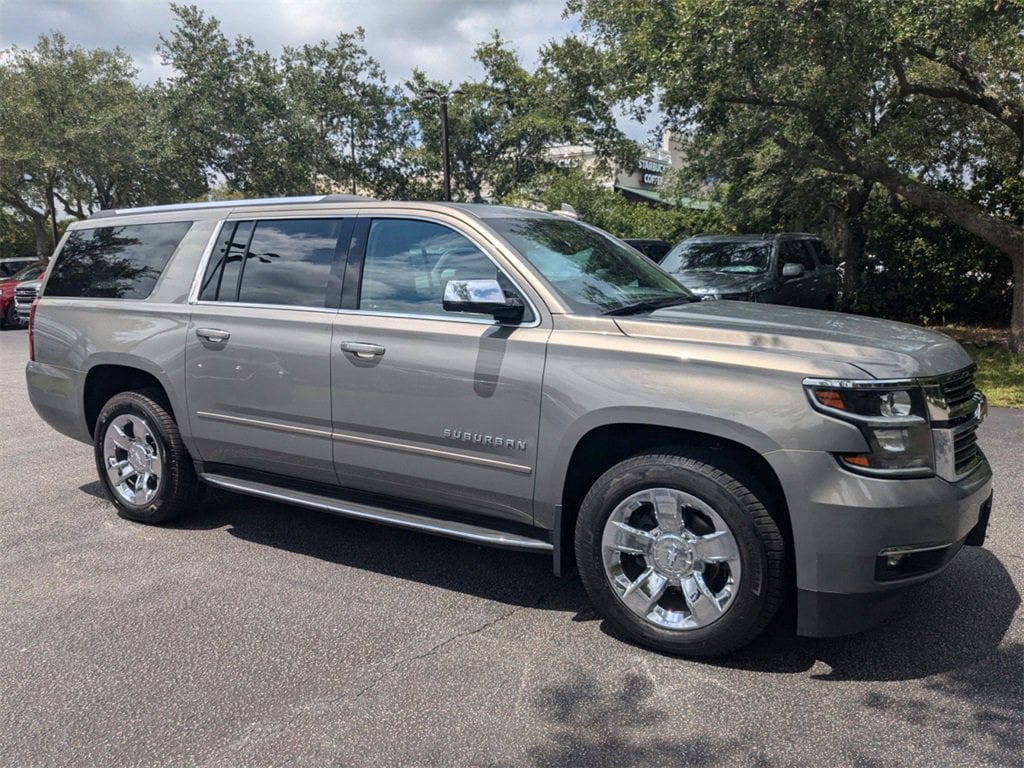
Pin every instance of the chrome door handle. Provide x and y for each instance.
(214, 335)
(362, 350)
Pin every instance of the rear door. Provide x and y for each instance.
(431, 406)
(258, 354)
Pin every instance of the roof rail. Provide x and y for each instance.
(110, 212)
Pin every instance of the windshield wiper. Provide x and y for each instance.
(649, 306)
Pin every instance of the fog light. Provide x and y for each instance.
(903, 562)
(893, 561)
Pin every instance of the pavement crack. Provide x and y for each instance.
(437, 648)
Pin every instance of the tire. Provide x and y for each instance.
(10, 317)
(141, 459)
(680, 556)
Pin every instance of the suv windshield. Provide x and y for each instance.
(592, 272)
(736, 257)
(31, 271)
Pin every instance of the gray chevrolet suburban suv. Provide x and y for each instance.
(522, 380)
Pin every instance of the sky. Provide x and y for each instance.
(438, 36)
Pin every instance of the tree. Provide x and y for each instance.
(357, 122)
(920, 97)
(76, 135)
(501, 127)
(597, 204)
(227, 110)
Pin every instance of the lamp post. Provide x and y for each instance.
(442, 100)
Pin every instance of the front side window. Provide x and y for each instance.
(280, 261)
(818, 248)
(794, 252)
(114, 262)
(408, 262)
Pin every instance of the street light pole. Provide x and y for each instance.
(446, 173)
(446, 170)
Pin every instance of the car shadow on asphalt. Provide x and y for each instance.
(953, 623)
(505, 576)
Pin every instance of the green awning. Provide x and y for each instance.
(682, 202)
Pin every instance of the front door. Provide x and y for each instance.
(799, 291)
(432, 406)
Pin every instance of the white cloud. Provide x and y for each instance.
(437, 36)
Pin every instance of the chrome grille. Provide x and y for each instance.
(955, 418)
(25, 295)
(965, 450)
(959, 391)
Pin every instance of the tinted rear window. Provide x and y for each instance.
(120, 262)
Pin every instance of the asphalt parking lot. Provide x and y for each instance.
(251, 633)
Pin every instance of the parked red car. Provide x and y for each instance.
(8, 317)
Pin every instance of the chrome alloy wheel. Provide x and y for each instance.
(132, 459)
(671, 559)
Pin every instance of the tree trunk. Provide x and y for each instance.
(43, 246)
(854, 237)
(1017, 315)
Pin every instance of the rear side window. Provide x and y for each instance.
(115, 262)
(286, 261)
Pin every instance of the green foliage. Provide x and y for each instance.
(596, 204)
(1000, 375)
(227, 110)
(501, 127)
(922, 269)
(16, 239)
(76, 135)
(803, 106)
(356, 124)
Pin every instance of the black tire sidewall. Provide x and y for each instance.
(10, 317)
(166, 502)
(759, 589)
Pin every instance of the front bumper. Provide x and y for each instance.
(845, 524)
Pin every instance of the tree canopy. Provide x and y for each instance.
(922, 98)
(880, 124)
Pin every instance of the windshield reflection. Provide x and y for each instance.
(592, 272)
(738, 257)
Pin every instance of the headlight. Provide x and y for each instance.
(892, 417)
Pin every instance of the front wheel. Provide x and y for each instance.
(142, 460)
(10, 317)
(679, 555)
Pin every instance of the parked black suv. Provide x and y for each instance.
(793, 269)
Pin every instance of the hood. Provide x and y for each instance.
(881, 348)
(704, 282)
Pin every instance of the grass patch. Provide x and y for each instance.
(1000, 373)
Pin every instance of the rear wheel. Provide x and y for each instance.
(142, 460)
(679, 555)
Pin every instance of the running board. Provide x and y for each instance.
(450, 528)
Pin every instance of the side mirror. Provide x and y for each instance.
(791, 270)
(484, 297)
